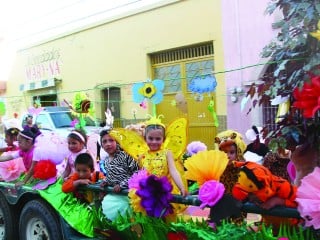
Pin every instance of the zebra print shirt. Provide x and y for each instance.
(119, 169)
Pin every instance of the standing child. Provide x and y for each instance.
(118, 167)
(159, 161)
(153, 154)
(84, 175)
(77, 141)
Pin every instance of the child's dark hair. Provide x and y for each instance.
(84, 158)
(12, 132)
(78, 135)
(154, 127)
(30, 134)
(104, 132)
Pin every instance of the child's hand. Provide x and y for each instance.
(272, 202)
(117, 188)
(84, 181)
(184, 192)
(103, 184)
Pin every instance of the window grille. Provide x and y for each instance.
(182, 53)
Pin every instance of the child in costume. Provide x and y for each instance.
(257, 184)
(29, 153)
(84, 175)
(153, 154)
(118, 167)
(159, 161)
(76, 144)
(231, 142)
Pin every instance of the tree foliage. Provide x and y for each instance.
(295, 58)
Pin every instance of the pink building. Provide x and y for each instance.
(246, 29)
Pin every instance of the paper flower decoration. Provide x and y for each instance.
(11, 170)
(133, 182)
(203, 84)
(151, 90)
(316, 34)
(308, 199)
(45, 183)
(308, 98)
(176, 236)
(210, 193)
(155, 194)
(205, 166)
(195, 146)
(45, 169)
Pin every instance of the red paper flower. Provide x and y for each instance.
(45, 169)
(308, 99)
(176, 236)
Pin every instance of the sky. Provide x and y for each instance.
(24, 22)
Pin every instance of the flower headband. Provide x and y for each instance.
(79, 135)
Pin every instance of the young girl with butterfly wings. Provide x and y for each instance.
(158, 151)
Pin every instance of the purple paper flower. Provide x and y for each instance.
(133, 182)
(210, 193)
(195, 147)
(155, 194)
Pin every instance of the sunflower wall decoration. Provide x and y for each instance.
(150, 90)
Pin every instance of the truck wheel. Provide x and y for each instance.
(7, 220)
(39, 221)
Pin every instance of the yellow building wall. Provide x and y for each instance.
(115, 54)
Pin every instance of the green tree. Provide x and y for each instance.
(295, 58)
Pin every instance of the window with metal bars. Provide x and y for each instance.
(190, 52)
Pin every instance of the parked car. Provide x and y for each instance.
(59, 120)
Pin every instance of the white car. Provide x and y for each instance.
(59, 120)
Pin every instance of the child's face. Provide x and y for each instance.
(29, 120)
(83, 171)
(231, 151)
(24, 144)
(74, 145)
(9, 140)
(154, 139)
(109, 144)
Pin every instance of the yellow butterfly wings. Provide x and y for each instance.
(135, 145)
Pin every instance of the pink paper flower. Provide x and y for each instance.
(133, 182)
(11, 170)
(210, 193)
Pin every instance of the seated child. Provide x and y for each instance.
(84, 175)
(118, 167)
(11, 136)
